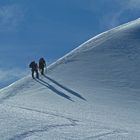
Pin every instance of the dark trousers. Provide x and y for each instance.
(42, 70)
(37, 74)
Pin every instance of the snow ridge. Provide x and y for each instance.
(90, 93)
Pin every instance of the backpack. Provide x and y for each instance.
(32, 64)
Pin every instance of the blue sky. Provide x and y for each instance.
(30, 29)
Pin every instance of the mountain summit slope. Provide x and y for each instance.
(91, 93)
(110, 59)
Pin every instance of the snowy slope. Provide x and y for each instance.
(92, 93)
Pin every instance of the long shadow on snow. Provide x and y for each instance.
(53, 89)
(65, 88)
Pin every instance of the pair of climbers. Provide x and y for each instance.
(34, 67)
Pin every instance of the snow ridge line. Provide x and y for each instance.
(72, 123)
(45, 128)
(44, 112)
(90, 42)
(107, 134)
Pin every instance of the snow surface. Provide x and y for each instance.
(92, 93)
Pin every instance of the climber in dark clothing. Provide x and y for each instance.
(34, 68)
(42, 65)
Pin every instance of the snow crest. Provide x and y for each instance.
(92, 93)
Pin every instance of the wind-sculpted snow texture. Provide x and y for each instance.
(92, 93)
